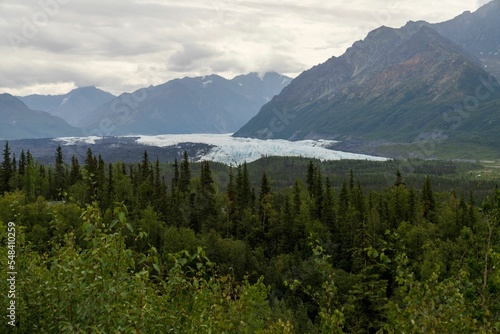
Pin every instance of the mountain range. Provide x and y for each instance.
(208, 104)
(398, 88)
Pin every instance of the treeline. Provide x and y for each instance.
(120, 244)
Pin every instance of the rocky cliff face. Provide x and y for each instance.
(478, 33)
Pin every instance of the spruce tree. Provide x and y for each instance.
(14, 164)
(75, 174)
(399, 179)
(5, 170)
(265, 188)
(243, 188)
(22, 163)
(175, 179)
(204, 211)
(101, 172)
(91, 172)
(328, 208)
(144, 167)
(265, 202)
(59, 174)
(185, 174)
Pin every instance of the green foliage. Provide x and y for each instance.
(432, 306)
(116, 251)
(105, 287)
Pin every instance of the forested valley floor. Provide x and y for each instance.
(281, 245)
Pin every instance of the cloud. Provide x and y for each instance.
(192, 56)
(123, 45)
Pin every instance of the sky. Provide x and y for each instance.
(53, 46)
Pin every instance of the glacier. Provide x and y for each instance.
(235, 150)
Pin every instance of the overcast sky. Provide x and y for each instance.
(53, 46)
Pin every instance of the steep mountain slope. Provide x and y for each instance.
(17, 121)
(73, 106)
(398, 85)
(478, 33)
(209, 104)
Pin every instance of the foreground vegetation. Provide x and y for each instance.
(203, 248)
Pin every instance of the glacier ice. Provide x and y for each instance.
(234, 150)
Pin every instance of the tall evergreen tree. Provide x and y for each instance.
(175, 179)
(90, 162)
(22, 163)
(204, 211)
(101, 172)
(428, 200)
(185, 174)
(265, 201)
(231, 204)
(91, 172)
(14, 164)
(399, 179)
(265, 188)
(59, 174)
(6, 170)
(328, 208)
(144, 167)
(243, 188)
(75, 174)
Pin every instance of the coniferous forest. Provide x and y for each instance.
(282, 245)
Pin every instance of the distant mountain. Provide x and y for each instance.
(73, 107)
(17, 121)
(398, 85)
(209, 104)
(478, 33)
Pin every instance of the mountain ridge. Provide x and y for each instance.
(188, 105)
